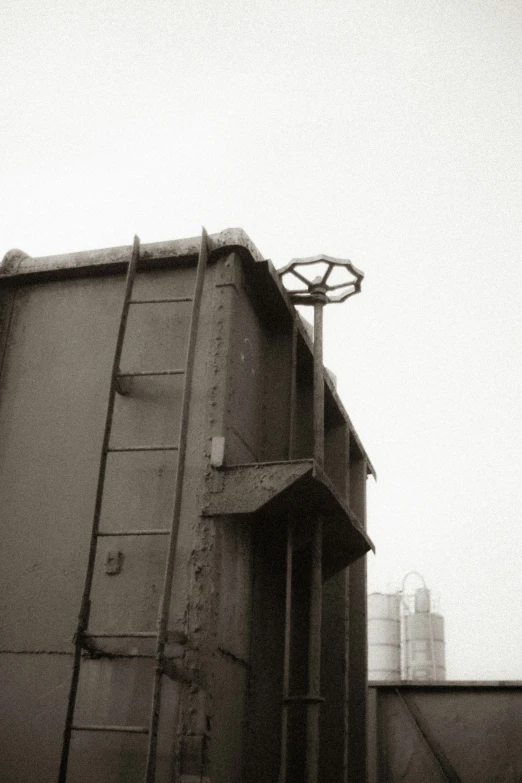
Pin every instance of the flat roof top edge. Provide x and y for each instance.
(17, 262)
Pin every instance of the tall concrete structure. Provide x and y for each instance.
(384, 636)
(424, 642)
(238, 608)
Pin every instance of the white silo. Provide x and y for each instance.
(425, 657)
(384, 636)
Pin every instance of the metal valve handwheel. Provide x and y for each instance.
(346, 280)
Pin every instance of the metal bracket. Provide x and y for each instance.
(297, 490)
(113, 562)
(246, 488)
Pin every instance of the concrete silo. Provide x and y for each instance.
(424, 645)
(384, 636)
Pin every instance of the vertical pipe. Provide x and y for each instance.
(316, 578)
(293, 392)
(289, 569)
(286, 653)
(314, 656)
(318, 412)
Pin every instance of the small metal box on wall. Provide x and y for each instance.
(248, 473)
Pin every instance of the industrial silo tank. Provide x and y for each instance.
(422, 600)
(384, 637)
(425, 646)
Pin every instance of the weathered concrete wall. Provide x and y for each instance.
(445, 731)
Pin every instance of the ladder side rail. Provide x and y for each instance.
(83, 618)
(163, 614)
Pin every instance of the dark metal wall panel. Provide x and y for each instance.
(357, 625)
(303, 419)
(246, 384)
(262, 754)
(32, 716)
(55, 384)
(54, 389)
(258, 408)
(336, 454)
(447, 733)
(228, 724)
(233, 582)
(277, 394)
(230, 663)
(7, 297)
(228, 592)
(332, 764)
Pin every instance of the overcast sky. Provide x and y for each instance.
(386, 132)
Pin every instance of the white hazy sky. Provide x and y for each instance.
(387, 132)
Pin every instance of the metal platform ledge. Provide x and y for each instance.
(297, 491)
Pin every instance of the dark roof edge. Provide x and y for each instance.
(16, 263)
(444, 684)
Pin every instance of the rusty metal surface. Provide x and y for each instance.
(297, 490)
(17, 263)
(247, 488)
(50, 410)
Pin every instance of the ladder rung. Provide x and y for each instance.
(162, 301)
(150, 532)
(143, 448)
(173, 637)
(149, 374)
(123, 729)
(122, 635)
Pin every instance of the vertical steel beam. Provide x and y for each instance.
(289, 570)
(286, 652)
(318, 412)
(314, 656)
(293, 392)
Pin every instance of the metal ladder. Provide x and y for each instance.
(85, 639)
